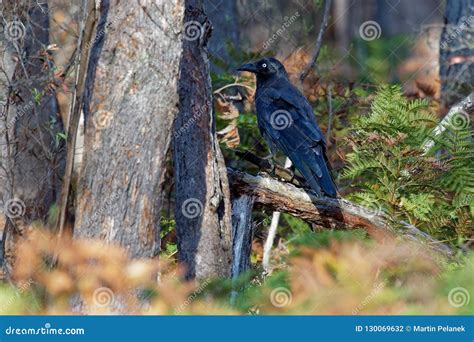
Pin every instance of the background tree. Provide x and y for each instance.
(223, 15)
(456, 61)
(37, 144)
(32, 130)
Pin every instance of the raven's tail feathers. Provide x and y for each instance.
(326, 181)
(314, 167)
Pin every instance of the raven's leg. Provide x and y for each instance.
(292, 168)
(269, 163)
(270, 156)
(268, 166)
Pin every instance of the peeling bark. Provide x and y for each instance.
(130, 104)
(203, 211)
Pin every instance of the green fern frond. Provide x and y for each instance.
(434, 189)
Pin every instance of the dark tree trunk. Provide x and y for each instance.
(203, 221)
(456, 57)
(33, 153)
(37, 149)
(130, 107)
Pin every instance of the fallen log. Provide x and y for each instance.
(462, 110)
(324, 211)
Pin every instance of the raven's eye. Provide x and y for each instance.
(264, 65)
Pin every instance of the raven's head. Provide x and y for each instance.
(265, 67)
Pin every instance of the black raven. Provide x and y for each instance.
(287, 122)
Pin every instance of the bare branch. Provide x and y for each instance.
(242, 231)
(267, 247)
(81, 60)
(319, 41)
(464, 106)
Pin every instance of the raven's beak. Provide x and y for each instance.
(250, 67)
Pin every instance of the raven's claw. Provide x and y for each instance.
(267, 166)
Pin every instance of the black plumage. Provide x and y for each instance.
(287, 122)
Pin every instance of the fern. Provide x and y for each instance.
(433, 190)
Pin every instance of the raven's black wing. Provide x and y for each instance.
(301, 140)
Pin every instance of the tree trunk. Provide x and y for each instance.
(32, 152)
(37, 151)
(456, 56)
(129, 109)
(7, 114)
(203, 221)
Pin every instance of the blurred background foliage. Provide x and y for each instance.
(326, 273)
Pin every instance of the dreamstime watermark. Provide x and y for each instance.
(103, 296)
(194, 30)
(281, 297)
(25, 286)
(466, 23)
(375, 291)
(103, 208)
(286, 24)
(463, 200)
(459, 296)
(14, 30)
(202, 110)
(19, 114)
(102, 119)
(372, 207)
(370, 30)
(46, 330)
(460, 120)
(102, 31)
(281, 119)
(192, 208)
(191, 297)
(14, 208)
(3, 108)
